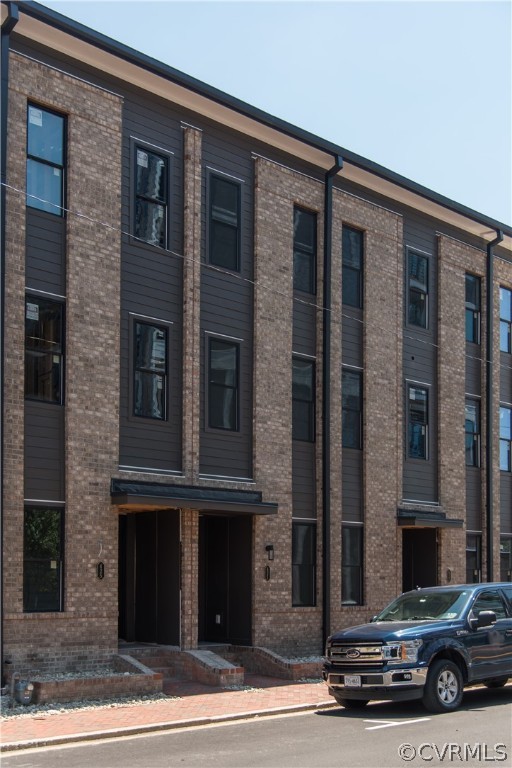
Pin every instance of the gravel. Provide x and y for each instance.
(29, 710)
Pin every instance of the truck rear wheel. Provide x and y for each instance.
(444, 687)
(351, 703)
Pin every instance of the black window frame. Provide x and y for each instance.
(506, 559)
(346, 411)
(352, 573)
(419, 290)
(473, 309)
(212, 339)
(304, 576)
(472, 438)
(425, 424)
(34, 351)
(53, 209)
(505, 322)
(304, 404)
(136, 146)
(164, 374)
(33, 563)
(348, 269)
(506, 441)
(473, 558)
(303, 253)
(213, 178)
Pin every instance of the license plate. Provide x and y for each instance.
(352, 681)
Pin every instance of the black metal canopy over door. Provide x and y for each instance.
(225, 579)
(419, 558)
(149, 577)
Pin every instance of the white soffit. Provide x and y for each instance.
(118, 67)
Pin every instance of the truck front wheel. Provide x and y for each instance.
(444, 688)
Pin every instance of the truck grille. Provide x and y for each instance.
(362, 653)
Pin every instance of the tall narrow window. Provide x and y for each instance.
(417, 274)
(44, 336)
(505, 320)
(472, 432)
(303, 400)
(352, 565)
(352, 409)
(150, 371)
(473, 558)
(303, 564)
(418, 422)
(224, 232)
(223, 382)
(506, 559)
(304, 250)
(352, 267)
(45, 160)
(151, 197)
(42, 559)
(506, 439)
(473, 308)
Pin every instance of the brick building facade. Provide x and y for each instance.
(184, 306)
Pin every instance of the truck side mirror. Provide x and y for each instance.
(484, 619)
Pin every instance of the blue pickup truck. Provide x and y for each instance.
(427, 644)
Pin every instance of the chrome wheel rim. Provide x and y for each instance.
(447, 687)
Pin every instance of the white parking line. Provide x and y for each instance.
(391, 723)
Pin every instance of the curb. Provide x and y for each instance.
(165, 726)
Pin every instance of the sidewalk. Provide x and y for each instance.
(197, 705)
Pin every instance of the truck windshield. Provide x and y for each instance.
(425, 606)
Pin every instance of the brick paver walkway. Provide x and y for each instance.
(197, 704)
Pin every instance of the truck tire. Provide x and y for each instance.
(351, 703)
(496, 682)
(444, 687)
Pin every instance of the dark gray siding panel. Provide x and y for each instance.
(506, 502)
(352, 486)
(473, 369)
(304, 479)
(473, 499)
(227, 310)
(304, 327)
(352, 337)
(44, 451)
(45, 252)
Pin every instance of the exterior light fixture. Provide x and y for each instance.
(270, 551)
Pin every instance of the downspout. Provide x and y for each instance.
(326, 402)
(10, 22)
(489, 404)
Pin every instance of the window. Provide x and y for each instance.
(473, 308)
(224, 233)
(223, 379)
(42, 559)
(417, 273)
(44, 335)
(506, 560)
(151, 197)
(45, 160)
(489, 601)
(472, 433)
(505, 320)
(418, 422)
(473, 558)
(303, 564)
(303, 400)
(150, 371)
(352, 267)
(352, 565)
(352, 409)
(505, 439)
(304, 250)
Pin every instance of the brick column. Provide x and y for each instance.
(189, 578)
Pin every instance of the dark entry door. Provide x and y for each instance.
(419, 558)
(149, 577)
(225, 579)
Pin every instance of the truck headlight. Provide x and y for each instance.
(404, 651)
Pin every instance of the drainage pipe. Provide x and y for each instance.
(8, 25)
(489, 404)
(326, 402)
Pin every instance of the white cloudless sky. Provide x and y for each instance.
(423, 88)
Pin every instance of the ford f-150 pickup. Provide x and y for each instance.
(427, 644)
